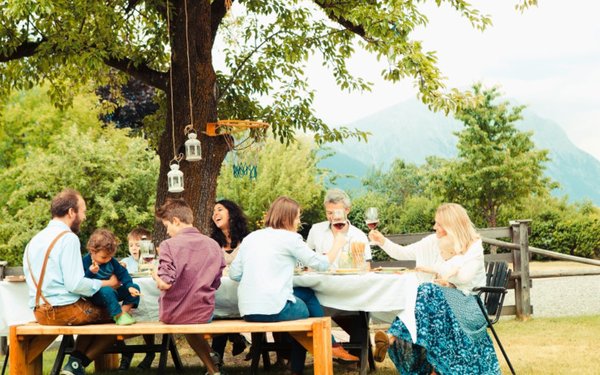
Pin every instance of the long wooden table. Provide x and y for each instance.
(28, 342)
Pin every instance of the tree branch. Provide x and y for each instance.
(26, 49)
(130, 5)
(239, 67)
(356, 29)
(142, 72)
(217, 12)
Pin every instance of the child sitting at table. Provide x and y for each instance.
(100, 264)
(189, 271)
(133, 241)
(453, 260)
(131, 263)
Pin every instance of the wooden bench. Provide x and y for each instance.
(28, 342)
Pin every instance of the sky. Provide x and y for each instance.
(547, 58)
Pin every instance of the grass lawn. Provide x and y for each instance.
(550, 346)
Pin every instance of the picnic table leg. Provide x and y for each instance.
(365, 339)
(19, 347)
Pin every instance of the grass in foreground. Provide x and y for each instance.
(550, 346)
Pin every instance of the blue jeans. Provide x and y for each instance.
(110, 298)
(306, 305)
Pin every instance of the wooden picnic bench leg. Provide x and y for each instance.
(321, 335)
(318, 343)
(25, 356)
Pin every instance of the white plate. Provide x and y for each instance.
(343, 271)
(390, 270)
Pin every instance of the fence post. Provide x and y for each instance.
(520, 236)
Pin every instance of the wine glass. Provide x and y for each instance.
(338, 219)
(372, 220)
(147, 254)
(371, 217)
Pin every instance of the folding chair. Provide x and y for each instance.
(491, 298)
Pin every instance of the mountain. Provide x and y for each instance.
(411, 132)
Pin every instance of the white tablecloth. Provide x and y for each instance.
(362, 292)
(14, 309)
(376, 293)
(385, 296)
(14, 298)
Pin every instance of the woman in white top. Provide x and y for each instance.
(265, 266)
(451, 331)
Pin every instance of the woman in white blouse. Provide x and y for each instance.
(451, 331)
(265, 266)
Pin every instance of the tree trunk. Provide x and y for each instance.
(200, 178)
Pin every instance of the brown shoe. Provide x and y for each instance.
(382, 343)
(338, 352)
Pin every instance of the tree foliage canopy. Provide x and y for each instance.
(115, 173)
(258, 72)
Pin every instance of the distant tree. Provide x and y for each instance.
(400, 182)
(497, 165)
(28, 119)
(115, 173)
(130, 103)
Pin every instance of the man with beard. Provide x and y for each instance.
(52, 260)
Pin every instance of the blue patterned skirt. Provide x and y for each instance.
(451, 336)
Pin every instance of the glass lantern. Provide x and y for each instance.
(193, 152)
(175, 179)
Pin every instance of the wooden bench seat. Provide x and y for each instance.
(28, 342)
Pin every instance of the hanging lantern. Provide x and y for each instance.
(175, 179)
(193, 152)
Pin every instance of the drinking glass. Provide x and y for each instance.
(371, 217)
(147, 255)
(357, 253)
(338, 218)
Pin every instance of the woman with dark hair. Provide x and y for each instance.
(229, 227)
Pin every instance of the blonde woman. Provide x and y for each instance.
(451, 335)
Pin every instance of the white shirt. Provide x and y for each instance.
(64, 282)
(320, 239)
(265, 266)
(426, 253)
(131, 264)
